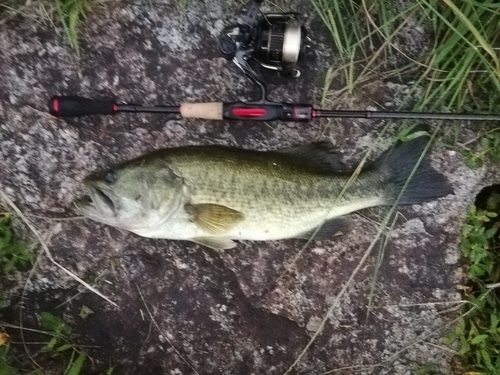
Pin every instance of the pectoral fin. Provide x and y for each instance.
(214, 218)
(216, 243)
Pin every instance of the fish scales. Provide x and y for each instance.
(271, 189)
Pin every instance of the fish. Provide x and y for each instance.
(215, 195)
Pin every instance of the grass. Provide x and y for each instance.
(463, 70)
(478, 331)
(68, 14)
(363, 34)
(14, 254)
(426, 370)
(60, 344)
(489, 148)
(460, 72)
(60, 351)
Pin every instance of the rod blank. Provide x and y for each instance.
(407, 115)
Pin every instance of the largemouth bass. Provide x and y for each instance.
(213, 195)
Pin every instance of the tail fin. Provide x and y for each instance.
(426, 183)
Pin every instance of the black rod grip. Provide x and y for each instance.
(70, 106)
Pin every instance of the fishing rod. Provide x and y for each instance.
(276, 41)
(70, 106)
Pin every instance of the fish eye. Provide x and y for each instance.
(110, 177)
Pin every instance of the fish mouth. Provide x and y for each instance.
(98, 204)
(105, 198)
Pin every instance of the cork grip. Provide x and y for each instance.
(209, 111)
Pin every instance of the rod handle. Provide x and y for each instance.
(268, 111)
(71, 106)
(208, 111)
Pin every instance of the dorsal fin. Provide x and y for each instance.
(318, 155)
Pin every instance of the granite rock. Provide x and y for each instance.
(243, 311)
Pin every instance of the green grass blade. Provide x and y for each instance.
(486, 46)
(77, 365)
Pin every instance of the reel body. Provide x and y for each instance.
(274, 41)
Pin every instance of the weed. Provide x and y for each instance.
(14, 254)
(60, 344)
(59, 328)
(462, 69)
(67, 13)
(478, 331)
(60, 350)
(362, 33)
(489, 149)
(475, 243)
(429, 369)
(85, 312)
(183, 4)
(71, 13)
(5, 368)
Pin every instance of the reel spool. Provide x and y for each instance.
(280, 43)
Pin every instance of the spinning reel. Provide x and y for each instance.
(274, 41)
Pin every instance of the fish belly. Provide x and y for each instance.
(269, 225)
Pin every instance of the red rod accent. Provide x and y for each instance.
(314, 113)
(115, 108)
(55, 105)
(249, 112)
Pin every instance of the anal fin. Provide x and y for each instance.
(330, 229)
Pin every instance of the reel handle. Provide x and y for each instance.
(72, 106)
